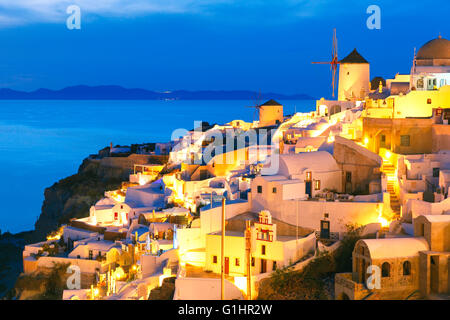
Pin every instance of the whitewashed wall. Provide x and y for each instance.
(211, 219)
(310, 213)
(204, 289)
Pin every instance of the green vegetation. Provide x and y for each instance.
(315, 281)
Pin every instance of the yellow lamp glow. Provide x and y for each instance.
(119, 273)
(388, 154)
(383, 220)
(366, 141)
(330, 139)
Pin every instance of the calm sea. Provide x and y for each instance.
(44, 141)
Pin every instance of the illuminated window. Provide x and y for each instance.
(263, 249)
(259, 189)
(214, 259)
(308, 176)
(237, 262)
(317, 185)
(405, 141)
(429, 101)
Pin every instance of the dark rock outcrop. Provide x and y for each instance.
(72, 197)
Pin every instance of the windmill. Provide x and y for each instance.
(334, 61)
(257, 106)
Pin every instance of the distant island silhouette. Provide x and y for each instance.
(113, 92)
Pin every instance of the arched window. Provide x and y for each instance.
(406, 268)
(385, 270)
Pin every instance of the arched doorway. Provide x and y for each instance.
(343, 296)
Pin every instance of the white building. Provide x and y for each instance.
(432, 65)
(268, 250)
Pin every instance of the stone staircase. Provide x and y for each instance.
(389, 170)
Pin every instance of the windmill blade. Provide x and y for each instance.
(334, 43)
(336, 47)
(334, 78)
(334, 60)
(258, 100)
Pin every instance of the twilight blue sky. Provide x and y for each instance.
(206, 44)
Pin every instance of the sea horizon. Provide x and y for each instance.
(43, 141)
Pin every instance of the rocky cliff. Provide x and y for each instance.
(72, 197)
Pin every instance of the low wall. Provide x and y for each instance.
(30, 264)
(152, 264)
(189, 239)
(418, 207)
(310, 213)
(86, 266)
(376, 197)
(34, 248)
(297, 249)
(84, 226)
(77, 234)
(406, 197)
(204, 289)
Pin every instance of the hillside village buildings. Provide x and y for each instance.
(377, 157)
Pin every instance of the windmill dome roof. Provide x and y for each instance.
(354, 57)
(271, 102)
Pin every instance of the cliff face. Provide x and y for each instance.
(72, 197)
